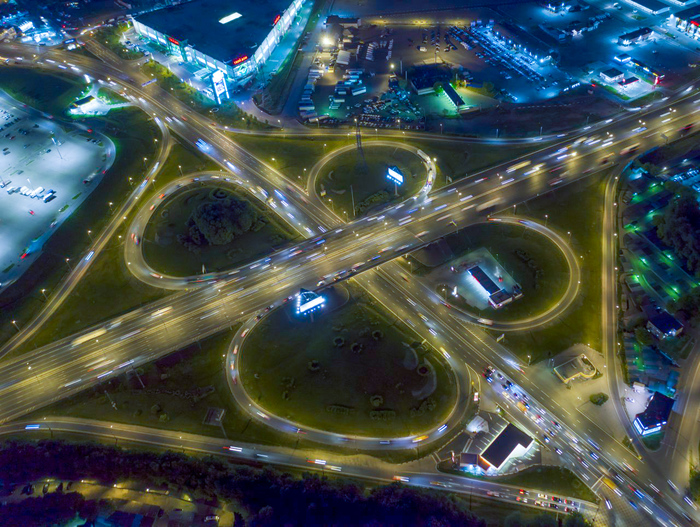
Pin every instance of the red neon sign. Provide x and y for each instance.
(695, 23)
(277, 19)
(240, 59)
(171, 39)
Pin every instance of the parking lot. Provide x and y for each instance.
(47, 170)
(525, 53)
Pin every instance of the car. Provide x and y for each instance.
(553, 506)
(546, 438)
(558, 451)
(211, 518)
(543, 496)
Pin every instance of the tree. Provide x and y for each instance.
(576, 519)
(599, 399)
(643, 336)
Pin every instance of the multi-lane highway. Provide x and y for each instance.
(72, 364)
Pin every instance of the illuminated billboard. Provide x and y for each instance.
(395, 175)
(219, 83)
(308, 301)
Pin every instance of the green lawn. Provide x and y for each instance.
(503, 240)
(295, 157)
(191, 370)
(337, 393)
(366, 174)
(164, 252)
(555, 480)
(49, 93)
(110, 37)
(577, 208)
(133, 134)
(458, 159)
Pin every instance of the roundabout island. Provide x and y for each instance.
(350, 371)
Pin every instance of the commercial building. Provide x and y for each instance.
(612, 75)
(636, 36)
(454, 97)
(511, 442)
(235, 37)
(663, 325)
(651, 7)
(655, 416)
(687, 21)
(498, 297)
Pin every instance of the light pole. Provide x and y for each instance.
(14, 322)
(546, 217)
(68, 262)
(110, 206)
(43, 292)
(144, 162)
(180, 167)
(90, 234)
(440, 128)
(528, 360)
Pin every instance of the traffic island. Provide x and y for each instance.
(353, 181)
(349, 369)
(205, 228)
(498, 272)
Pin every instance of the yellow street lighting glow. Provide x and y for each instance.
(227, 19)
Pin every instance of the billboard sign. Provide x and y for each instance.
(308, 301)
(219, 82)
(395, 175)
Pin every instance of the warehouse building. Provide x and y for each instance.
(655, 416)
(687, 21)
(233, 36)
(510, 443)
(650, 7)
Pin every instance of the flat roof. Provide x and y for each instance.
(633, 35)
(611, 73)
(198, 23)
(653, 6)
(453, 95)
(688, 14)
(483, 279)
(503, 446)
(657, 412)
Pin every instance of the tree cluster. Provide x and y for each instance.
(219, 222)
(679, 228)
(269, 497)
(575, 519)
(55, 508)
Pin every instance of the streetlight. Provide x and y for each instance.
(440, 128)
(144, 162)
(14, 322)
(546, 217)
(43, 292)
(90, 234)
(180, 167)
(110, 206)
(68, 262)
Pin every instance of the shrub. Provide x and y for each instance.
(314, 365)
(376, 401)
(599, 399)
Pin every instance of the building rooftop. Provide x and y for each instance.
(665, 322)
(199, 23)
(505, 444)
(651, 6)
(611, 73)
(634, 35)
(657, 412)
(483, 279)
(692, 13)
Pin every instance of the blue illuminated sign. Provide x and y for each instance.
(394, 175)
(308, 301)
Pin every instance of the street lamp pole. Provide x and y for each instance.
(14, 322)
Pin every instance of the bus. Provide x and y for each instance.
(611, 485)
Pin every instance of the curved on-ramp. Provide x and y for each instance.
(433, 435)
